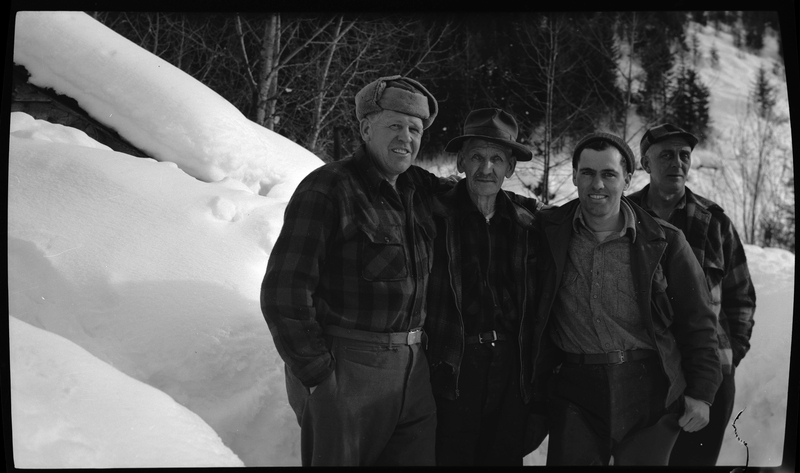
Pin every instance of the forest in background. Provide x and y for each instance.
(561, 75)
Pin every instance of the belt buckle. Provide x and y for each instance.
(414, 336)
(621, 357)
(494, 338)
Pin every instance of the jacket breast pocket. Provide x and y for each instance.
(383, 257)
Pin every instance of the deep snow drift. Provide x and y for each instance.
(136, 335)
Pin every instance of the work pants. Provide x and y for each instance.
(375, 409)
(599, 411)
(702, 448)
(485, 425)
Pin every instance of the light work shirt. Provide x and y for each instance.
(595, 309)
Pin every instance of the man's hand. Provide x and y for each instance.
(695, 417)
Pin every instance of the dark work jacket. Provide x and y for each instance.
(444, 324)
(672, 298)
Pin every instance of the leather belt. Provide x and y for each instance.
(412, 337)
(616, 357)
(486, 337)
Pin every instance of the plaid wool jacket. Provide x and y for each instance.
(717, 247)
(352, 252)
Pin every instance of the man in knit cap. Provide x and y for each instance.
(666, 155)
(625, 346)
(344, 293)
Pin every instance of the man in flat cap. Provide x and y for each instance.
(344, 293)
(625, 349)
(479, 299)
(666, 155)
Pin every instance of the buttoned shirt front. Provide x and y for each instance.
(596, 310)
(488, 298)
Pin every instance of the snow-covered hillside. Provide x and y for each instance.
(136, 337)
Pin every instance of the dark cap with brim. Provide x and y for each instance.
(494, 125)
(661, 133)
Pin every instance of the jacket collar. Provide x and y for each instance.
(442, 205)
(688, 198)
(646, 225)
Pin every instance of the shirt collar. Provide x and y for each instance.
(629, 220)
(466, 206)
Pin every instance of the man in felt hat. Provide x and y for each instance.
(666, 155)
(625, 350)
(479, 299)
(344, 293)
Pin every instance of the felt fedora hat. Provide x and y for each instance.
(491, 124)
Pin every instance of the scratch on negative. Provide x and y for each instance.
(736, 433)
(61, 253)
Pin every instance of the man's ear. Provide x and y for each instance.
(460, 162)
(511, 167)
(365, 127)
(645, 163)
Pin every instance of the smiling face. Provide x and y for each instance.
(601, 179)
(668, 163)
(392, 139)
(486, 164)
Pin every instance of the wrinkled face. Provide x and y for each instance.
(601, 179)
(668, 163)
(392, 139)
(486, 164)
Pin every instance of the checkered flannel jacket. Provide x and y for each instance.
(717, 247)
(348, 255)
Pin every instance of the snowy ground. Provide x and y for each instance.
(136, 337)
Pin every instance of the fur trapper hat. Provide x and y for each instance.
(400, 94)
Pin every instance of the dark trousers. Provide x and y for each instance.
(375, 409)
(702, 448)
(600, 411)
(485, 424)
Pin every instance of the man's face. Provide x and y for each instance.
(601, 179)
(486, 164)
(393, 139)
(668, 163)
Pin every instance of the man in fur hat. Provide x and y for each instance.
(344, 293)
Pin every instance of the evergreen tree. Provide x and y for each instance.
(662, 33)
(689, 103)
(714, 55)
(763, 94)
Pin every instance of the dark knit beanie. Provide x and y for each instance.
(400, 94)
(614, 140)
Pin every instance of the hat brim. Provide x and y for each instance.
(689, 138)
(520, 152)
